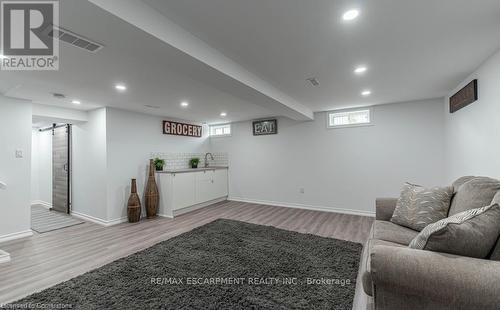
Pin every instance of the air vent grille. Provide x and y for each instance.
(74, 39)
(314, 81)
(59, 96)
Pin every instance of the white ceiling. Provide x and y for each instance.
(155, 73)
(414, 50)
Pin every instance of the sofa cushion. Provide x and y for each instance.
(387, 231)
(365, 268)
(475, 193)
(495, 253)
(418, 206)
(471, 233)
(461, 181)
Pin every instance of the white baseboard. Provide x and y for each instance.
(164, 215)
(110, 222)
(17, 235)
(303, 206)
(42, 203)
(4, 257)
(198, 206)
(98, 220)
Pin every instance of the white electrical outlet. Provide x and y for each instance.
(19, 153)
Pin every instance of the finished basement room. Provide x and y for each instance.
(264, 154)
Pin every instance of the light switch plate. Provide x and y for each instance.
(19, 153)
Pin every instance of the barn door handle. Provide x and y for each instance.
(65, 167)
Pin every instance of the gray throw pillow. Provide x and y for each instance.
(418, 207)
(474, 193)
(471, 233)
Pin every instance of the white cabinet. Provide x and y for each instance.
(220, 186)
(211, 184)
(190, 189)
(183, 191)
(205, 186)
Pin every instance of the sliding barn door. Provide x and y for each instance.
(61, 169)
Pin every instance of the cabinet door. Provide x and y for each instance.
(220, 183)
(205, 186)
(183, 190)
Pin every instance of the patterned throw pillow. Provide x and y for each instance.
(471, 233)
(418, 207)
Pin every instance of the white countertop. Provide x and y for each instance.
(187, 170)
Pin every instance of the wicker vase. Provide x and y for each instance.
(134, 204)
(152, 196)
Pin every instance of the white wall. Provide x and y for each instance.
(338, 168)
(131, 137)
(15, 134)
(41, 167)
(109, 150)
(472, 134)
(35, 191)
(89, 185)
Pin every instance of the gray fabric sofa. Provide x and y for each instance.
(398, 277)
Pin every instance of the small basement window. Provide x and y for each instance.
(220, 130)
(350, 118)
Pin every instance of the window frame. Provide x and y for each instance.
(370, 113)
(220, 125)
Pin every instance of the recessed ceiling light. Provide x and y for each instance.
(184, 104)
(121, 87)
(360, 70)
(75, 102)
(223, 114)
(350, 15)
(366, 93)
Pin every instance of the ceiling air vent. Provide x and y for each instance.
(314, 81)
(58, 95)
(73, 39)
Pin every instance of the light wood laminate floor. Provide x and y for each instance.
(44, 260)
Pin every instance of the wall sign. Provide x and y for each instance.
(265, 127)
(464, 97)
(182, 129)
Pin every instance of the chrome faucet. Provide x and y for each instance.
(206, 159)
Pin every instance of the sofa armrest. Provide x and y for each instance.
(384, 208)
(404, 276)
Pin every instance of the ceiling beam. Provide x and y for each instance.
(151, 21)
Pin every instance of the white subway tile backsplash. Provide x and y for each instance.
(181, 160)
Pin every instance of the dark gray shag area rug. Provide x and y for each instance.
(222, 265)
